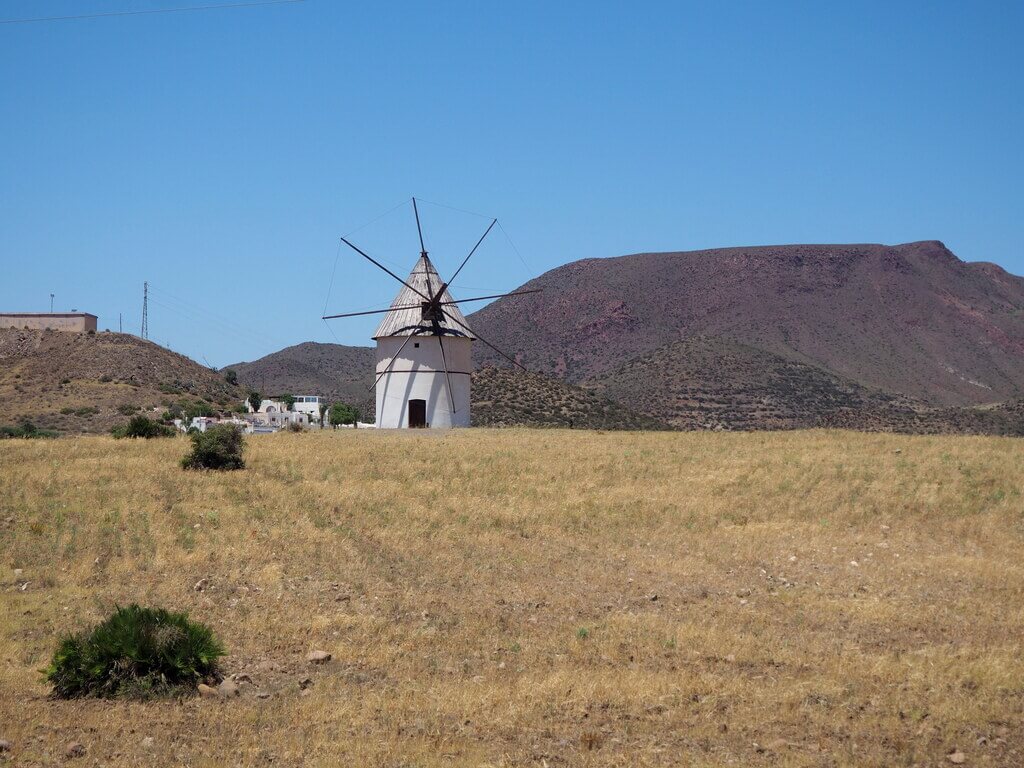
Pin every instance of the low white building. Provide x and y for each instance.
(309, 405)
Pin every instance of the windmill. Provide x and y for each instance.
(424, 345)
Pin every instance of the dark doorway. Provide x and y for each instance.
(417, 413)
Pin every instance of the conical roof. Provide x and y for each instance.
(402, 322)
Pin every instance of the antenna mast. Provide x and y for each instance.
(145, 310)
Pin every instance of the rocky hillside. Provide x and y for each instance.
(504, 397)
(709, 382)
(87, 382)
(335, 371)
(910, 319)
(720, 384)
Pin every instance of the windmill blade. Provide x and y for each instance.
(419, 229)
(372, 312)
(419, 306)
(489, 228)
(447, 376)
(381, 266)
(391, 361)
(495, 296)
(485, 341)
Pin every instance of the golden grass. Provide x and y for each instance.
(535, 597)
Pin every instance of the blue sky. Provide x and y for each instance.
(220, 154)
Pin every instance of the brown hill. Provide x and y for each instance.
(504, 397)
(87, 382)
(335, 371)
(911, 319)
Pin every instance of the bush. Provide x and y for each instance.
(26, 430)
(140, 426)
(231, 377)
(296, 427)
(219, 447)
(127, 409)
(137, 652)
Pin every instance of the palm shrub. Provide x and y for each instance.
(138, 653)
(219, 447)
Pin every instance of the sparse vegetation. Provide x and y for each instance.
(198, 408)
(456, 587)
(136, 653)
(231, 377)
(219, 447)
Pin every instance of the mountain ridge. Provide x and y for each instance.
(910, 318)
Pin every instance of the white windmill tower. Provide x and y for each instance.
(424, 346)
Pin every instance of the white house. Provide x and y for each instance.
(413, 351)
(309, 404)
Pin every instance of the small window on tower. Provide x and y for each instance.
(416, 344)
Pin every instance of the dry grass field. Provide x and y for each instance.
(534, 598)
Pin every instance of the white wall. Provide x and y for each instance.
(419, 374)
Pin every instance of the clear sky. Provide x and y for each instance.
(220, 154)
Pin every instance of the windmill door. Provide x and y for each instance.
(417, 413)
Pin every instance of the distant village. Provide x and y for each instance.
(274, 414)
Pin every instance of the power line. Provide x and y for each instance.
(179, 9)
(145, 311)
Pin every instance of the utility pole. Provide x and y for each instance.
(145, 310)
(120, 325)
(51, 303)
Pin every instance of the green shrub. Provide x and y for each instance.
(231, 377)
(26, 430)
(140, 426)
(67, 411)
(137, 652)
(86, 411)
(127, 409)
(219, 447)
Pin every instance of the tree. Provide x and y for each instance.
(342, 413)
(231, 377)
(289, 401)
(255, 399)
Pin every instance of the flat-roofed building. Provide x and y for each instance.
(80, 322)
